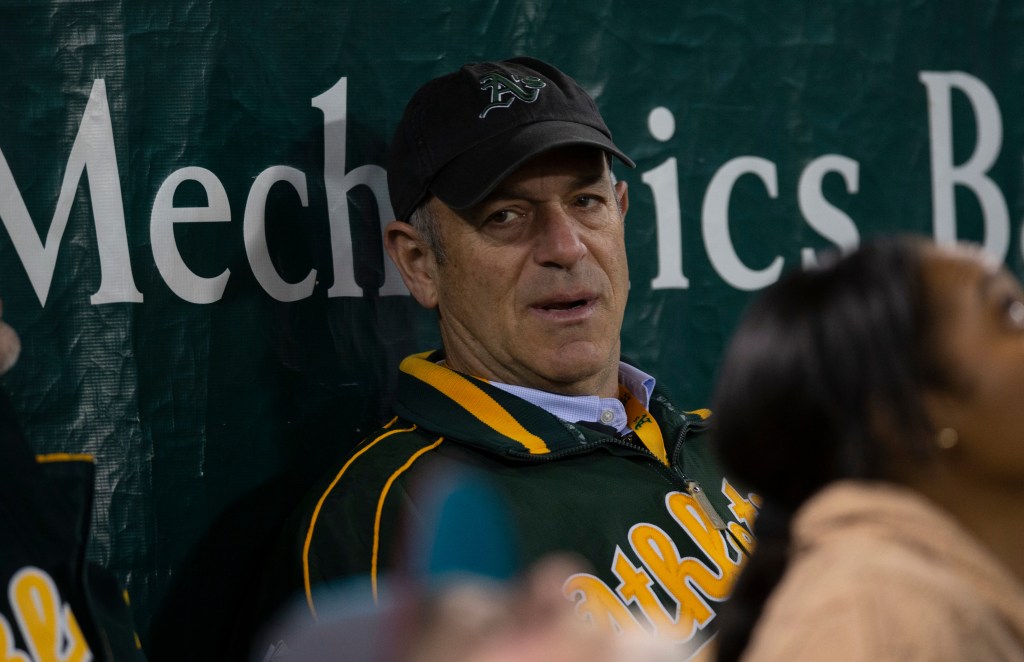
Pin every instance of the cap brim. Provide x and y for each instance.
(471, 176)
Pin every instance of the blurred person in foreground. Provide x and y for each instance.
(465, 619)
(55, 604)
(511, 226)
(875, 404)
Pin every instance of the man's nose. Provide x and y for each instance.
(559, 239)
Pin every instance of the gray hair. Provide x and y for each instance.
(426, 222)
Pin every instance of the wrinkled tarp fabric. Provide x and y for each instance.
(192, 194)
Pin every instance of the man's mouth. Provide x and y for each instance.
(565, 305)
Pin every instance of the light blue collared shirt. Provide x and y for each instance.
(590, 408)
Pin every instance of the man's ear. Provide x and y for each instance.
(415, 261)
(622, 195)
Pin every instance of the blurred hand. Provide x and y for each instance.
(10, 345)
(532, 623)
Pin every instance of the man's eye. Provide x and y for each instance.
(501, 217)
(586, 201)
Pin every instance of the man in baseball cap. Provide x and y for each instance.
(465, 132)
(510, 225)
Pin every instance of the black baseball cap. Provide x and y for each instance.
(463, 133)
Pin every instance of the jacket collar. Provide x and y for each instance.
(476, 413)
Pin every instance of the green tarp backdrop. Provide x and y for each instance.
(192, 194)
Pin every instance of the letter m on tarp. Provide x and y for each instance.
(92, 153)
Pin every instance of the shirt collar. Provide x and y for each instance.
(590, 408)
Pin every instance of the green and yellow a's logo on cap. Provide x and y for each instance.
(504, 90)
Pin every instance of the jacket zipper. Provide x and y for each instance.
(693, 488)
(697, 492)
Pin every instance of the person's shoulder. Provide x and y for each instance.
(689, 422)
(864, 619)
(862, 600)
(357, 505)
(380, 455)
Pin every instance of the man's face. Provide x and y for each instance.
(534, 284)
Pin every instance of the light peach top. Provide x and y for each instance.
(880, 573)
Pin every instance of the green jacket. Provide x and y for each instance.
(54, 603)
(663, 543)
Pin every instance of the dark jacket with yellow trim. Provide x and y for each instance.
(45, 512)
(556, 486)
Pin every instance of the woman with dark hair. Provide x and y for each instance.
(876, 405)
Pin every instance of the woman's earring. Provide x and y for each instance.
(947, 438)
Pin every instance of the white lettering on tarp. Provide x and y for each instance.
(825, 218)
(971, 174)
(830, 222)
(663, 181)
(664, 184)
(255, 233)
(179, 278)
(715, 223)
(92, 153)
(334, 104)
